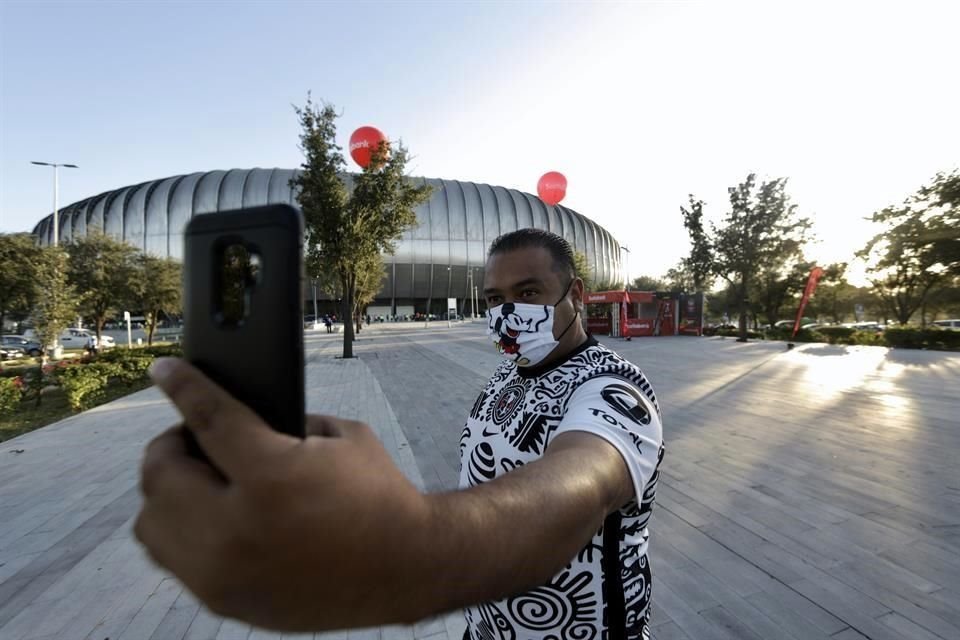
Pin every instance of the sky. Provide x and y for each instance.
(639, 104)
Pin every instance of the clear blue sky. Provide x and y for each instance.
(638, 104)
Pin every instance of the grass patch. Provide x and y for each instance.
(54, 407)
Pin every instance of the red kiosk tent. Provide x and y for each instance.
(649, 313)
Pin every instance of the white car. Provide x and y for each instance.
(953, 325)
(80, 338)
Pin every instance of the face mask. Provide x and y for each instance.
(524, 332)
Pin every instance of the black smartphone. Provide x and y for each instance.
(243, 308)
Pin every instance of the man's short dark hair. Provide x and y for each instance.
(559, 249)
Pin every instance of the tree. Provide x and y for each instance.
(918, 250)
(54, 305)
(19, 258)
(369, 282)
(944, 300)
(102, 271)
(700, 263)
(157, 289)
(835, 297)
(680, 278)
(941, 200)
(648, 283)
(762, 233)
(773, 289)
(347, 229)
(581, 268)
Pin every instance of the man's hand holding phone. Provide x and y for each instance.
(233, 537)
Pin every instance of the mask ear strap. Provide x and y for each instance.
(572, 320)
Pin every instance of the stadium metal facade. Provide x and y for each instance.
(436, 260)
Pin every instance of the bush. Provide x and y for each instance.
(10, 395)
(85, 384)
(162, 351)
(735, 333)
(868, 338)
(13, 372)
(803, 335)
(915, 338)
(134, 369)
(132, 363)
(837, 335)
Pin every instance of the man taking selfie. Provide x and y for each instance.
(546, 536)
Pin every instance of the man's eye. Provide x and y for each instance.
(493, 300)
(528, 293)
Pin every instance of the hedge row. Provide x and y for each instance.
(83, 381)
(900, 338)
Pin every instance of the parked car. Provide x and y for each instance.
(10, 353)
(79, 338)
(26, 346)
(951, 325)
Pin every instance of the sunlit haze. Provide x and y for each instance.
(638, 104)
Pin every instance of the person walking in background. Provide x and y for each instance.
(92, 344)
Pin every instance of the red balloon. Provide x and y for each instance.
(552, 187)
(363, 143)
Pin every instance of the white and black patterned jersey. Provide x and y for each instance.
(604, 592)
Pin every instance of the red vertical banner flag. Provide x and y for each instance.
(812, 281)
(623, 315)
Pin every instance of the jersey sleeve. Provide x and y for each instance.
(620, 413)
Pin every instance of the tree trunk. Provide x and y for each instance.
(742, 299)
(347, 311)
(98, 323)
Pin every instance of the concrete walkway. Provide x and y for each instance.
(808, 494)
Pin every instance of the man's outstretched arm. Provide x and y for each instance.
(327, 533)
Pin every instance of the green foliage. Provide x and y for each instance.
(700, 264)
(942, 199)
(680, 278)
(347, 230)
(757, 249)
(84, 384)
(370, 272)
(898, 337)
(10, 395)
(919, 247)
(130, 365)
(156, 351)
(55, 300)
(929, 338)
(18, 265)
(163, 351)
(103, 272)
(156, 289)
(837, 335)
(581, 268)
(648, 283)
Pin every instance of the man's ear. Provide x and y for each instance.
(576, 294)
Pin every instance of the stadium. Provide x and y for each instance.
(439, 259)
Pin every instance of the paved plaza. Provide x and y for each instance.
(805, 495)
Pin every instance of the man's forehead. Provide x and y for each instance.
(533, 257)
(521, 266)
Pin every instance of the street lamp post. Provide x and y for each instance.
(473, 306)
(626, 269)
(56, 194)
